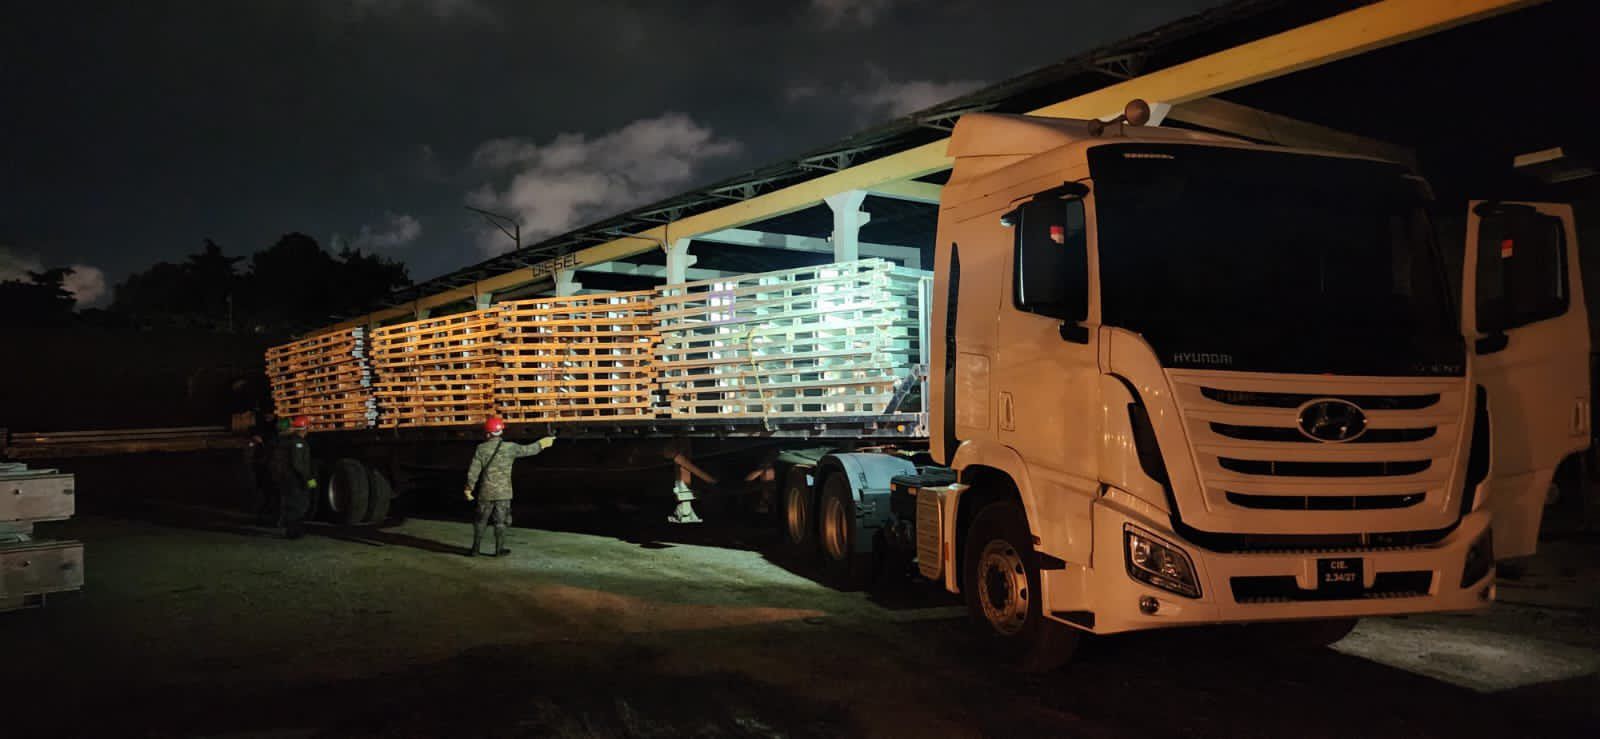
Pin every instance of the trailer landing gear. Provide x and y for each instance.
(684, 513)
(684, 494)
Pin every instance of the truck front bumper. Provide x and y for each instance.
(1262, 586)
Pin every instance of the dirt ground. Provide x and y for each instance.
(603, 623)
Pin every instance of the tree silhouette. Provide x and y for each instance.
(43, 300)
(291, 286)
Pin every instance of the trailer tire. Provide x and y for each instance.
(379, 495)
(799, 516)
(1001, 587)
(838, 532)
(347, 492)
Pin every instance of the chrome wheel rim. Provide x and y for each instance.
(1003, 587)
(835, 529)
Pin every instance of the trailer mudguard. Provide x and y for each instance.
(869, 476)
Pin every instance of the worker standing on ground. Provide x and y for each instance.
(264, 449)
(490, 477)
(293, 473)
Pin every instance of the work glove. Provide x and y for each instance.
(312, 484)
(467, 492)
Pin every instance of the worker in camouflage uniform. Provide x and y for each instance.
(489, 477)
(296, 479)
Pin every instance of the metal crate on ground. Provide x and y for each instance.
(437, 371)
(832, 340)
(326, 377)
(575, 358)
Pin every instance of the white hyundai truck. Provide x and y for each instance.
(1182, 379)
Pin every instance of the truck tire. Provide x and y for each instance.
(1000, 585)
(379, 495)
(838, 532)
(347, 492)
(799, 512)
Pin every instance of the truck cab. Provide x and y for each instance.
(1185, 379)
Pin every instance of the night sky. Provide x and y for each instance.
(134, 130)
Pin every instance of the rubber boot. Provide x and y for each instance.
(500, 549)
(477, 542)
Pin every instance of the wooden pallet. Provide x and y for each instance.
(836, 339)
(437, 371)
(327, 377)
(576, 358)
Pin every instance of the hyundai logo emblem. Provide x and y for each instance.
(1332, 420)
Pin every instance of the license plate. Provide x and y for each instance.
(1339, 576)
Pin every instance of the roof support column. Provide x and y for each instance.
(567, 283)
(848, 218)
(679, 260)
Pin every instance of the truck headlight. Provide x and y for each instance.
(1157, 563)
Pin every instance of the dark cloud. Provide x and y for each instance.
(136, 130)
(572, 179)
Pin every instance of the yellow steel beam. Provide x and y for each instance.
(1347, 34)
(1221, 115)
(919, 192)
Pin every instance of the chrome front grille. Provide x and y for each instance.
(1295, 400)
(1277, 468)
(1294, 436)
(1256, 464)
(1325, 502)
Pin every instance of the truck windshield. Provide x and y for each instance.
(1267, 261)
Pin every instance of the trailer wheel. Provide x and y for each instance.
(799, 512)
(837, 531)
(379, 495)
(1001, 587)
(347, 492)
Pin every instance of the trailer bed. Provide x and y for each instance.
(890, 426)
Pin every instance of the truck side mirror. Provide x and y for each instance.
(1051, 265)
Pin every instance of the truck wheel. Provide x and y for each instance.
(347, 492)
(799, 513)
(1305, 634)
(837, 531)
(379, 494)
(1001, 586)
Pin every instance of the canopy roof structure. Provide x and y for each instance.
(1231, 70)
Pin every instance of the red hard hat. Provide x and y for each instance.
(301, 422)
(494, 425)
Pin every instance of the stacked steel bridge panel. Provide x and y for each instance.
(831, 341)
(327, 378)
(582, 357)
(437, 371)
